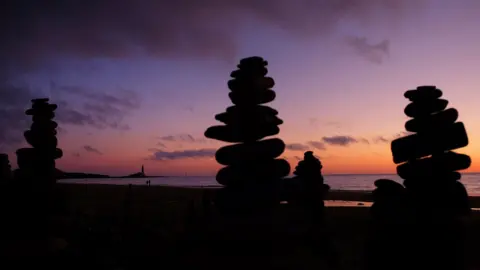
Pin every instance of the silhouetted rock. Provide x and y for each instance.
(5, 169)
(252, 162)
(389, 199)
(37, 164)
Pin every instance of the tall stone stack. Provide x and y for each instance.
(37, 164)
(421, 226)
(251, 164)
(429, 166)
(5, 169)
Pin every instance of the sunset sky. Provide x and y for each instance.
(138, 82)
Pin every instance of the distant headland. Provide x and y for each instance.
(79, 175)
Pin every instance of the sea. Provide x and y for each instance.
(356, 182)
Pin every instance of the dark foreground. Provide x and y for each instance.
(117, 227)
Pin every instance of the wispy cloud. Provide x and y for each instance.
(91, 149)
(184, 138)
(373, 52)
(340, 140)
(317, 145)
(297, 147)
(192, 153)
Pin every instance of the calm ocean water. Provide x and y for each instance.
(343, 182)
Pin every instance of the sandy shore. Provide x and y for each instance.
(77, 192)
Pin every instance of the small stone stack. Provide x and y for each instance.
(309, 171)
(430, 171)
(5, 169)
(252, 161)
(37, 164)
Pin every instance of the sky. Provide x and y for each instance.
(138, 82)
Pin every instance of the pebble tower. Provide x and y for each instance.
(429, 166)
(309, 171)
(251, 160)
(37, 163)
(418, 225)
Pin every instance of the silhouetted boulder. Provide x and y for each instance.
(37, 164)
(251, 164)
(389, 200)
(5, 169)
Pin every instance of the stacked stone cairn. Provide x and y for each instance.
(5, 169)
(428, 229)
(252, 170)
(37, 164)
(309, 173)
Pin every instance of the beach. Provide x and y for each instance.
(154, 223)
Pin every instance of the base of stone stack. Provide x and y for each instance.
(240, 200)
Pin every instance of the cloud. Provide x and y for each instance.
(297, 147)
(190, 108)
(182, 138)
(373, 52)
(121, 28)
(197, 153)
(340, 140)
(363, 140)
(317, 145)
(388, 139)
(90, 107)
(381, 139)
(36, 34)
(77, 155)
(13, 102)
(97, 109)
(91, 149)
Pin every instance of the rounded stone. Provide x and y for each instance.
(242, 73)
(252, 61)
(36, 140)
(254, 98)
(44, 107)
(419, 109)
(253, 172)
(45, 125)
(254, 84)
(43, 117)
(43, 112)
(248, 120)
(388, 184)
(432, 122)
(387, 189)
(435, 165)
(252, 110)
(245, 152)
(423, 93)
(240, 134)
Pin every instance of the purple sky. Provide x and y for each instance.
(142, 80)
